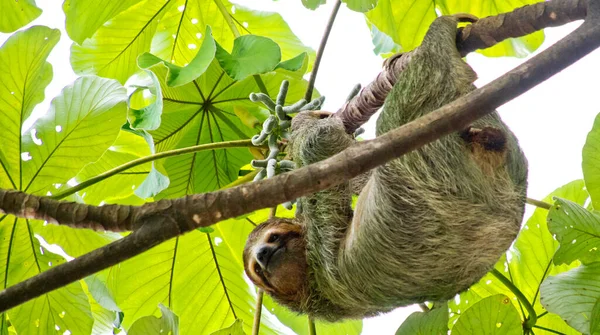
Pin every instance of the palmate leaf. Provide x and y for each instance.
(22, 257)
(168, 323)
(494, 315)
(530, 262)
(434, 322)
(21, 89)
(250, 55)
(573, 295)
(89, 112)
(84, 17)
(16, 14)
(361, 5)
(113, 49)
(181, 30)
(203, 112)
(590, 163)
(577, 230)
(406, 22)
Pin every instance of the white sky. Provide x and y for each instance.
(551, 120)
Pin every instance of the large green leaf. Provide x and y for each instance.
(595, 321)
(361, 5)
(573, 294)
(22, 257)
(203, 112)
(168, 323)
(237, 328)
(313, 4)
(22, 88)
(577, 230)
(83, 121)
(84, 17)
(434, 322)
(494, 315)
(406, 22)
(250, 55)
(591, 162)
(112, 51)
(16, 14)
(177, 75)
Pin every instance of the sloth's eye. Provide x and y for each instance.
(258, 270)
(273, 238)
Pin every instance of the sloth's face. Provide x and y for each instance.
(275, 259)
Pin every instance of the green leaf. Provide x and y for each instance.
(493, 315)
(237, 328)
(22, 88)
(83, 121)
(84, 17)
(591, 162)
(595, 321)
(156, 181)
(573, 294)
(434, 322)
(112, 51)
(151, 325)
(313, 4)
(361, 5)
(148, 117)
(406, 22)
(577, 230)
(22, 257)
(294, 64)
(16, 14)
(177, 75)
(250, 55)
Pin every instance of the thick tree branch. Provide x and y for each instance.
(165, 219)
(482, 34)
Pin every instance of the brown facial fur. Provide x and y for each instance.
(284, 275)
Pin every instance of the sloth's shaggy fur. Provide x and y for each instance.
(426, 225)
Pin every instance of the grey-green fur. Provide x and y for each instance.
(428, 224)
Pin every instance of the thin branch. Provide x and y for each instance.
(482, 34)
(159, 221)
(424, 307)
(538, 203)
(313, 75)
(312, 329)
(549, 330)
(257, 312)
(151, 158)
(532, 318)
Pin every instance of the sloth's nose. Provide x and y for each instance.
(263, 255)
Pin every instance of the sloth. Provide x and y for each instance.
(426, 225)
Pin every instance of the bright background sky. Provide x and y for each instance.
(551, 120)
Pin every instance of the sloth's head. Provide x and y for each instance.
(275, 260)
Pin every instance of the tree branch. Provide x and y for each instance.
(313, 75)
(165, 219)
(482, 34)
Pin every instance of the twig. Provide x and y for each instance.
(313, 75)
(257, 312)
(165, 219)
(532, 318)
(312, 329)
(151, 158)
(538, 203)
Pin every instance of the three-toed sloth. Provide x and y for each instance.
(426, 226)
